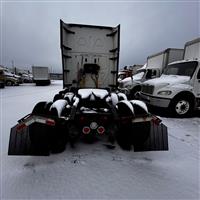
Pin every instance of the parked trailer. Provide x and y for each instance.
(179, 87)
(155, 65)
(41, 75)
(89, 108)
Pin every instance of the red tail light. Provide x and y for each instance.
(86, 130)
(50, 122)
(21, 126)
(156, 120)
(101, 130)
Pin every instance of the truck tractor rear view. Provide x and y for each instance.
(89, 108)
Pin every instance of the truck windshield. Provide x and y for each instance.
(182, 69)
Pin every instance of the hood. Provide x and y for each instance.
(168, 80)
(135, 78)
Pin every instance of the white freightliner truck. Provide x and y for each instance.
(154, 67)
(179, 86)
(41, 75)
(89, 108)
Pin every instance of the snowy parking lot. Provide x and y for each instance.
(93, 171)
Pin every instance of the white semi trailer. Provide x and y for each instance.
(155, 65)
(179, 86)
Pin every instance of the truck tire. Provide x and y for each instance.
(2, 85)
(181, 106)
(9, 83)
(57, 97)
(133, 92)
(123, 135)
(58, 134)
(39, 133)
(39, 108)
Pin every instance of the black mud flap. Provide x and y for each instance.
(20, 143)
(157, 140)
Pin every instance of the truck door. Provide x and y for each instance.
(197, 85)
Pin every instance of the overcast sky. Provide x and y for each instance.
(30, 30)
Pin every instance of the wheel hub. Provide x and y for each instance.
(182, 107)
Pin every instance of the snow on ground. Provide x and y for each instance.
(92, 171)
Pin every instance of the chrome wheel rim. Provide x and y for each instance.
(182, 107)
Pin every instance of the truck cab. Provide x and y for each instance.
(131, 85)
(7, 78)
(155, 65)
(179, 86)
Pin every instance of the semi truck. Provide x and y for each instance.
(89, 108)
(179, 86)
(7, 78)
(41, 75)
(155, 65)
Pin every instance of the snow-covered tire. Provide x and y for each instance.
(2, 85)
(140, 108)
(39, 108)
(181, 106)
(124, 108)
(39, 133)
(131, 134)
(58, 134)
(123, 136)
(57, 97)
(121, 96)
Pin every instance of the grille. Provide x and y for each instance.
(148, 89)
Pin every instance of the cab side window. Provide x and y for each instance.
(198, 75)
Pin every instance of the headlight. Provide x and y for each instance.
(167, 92)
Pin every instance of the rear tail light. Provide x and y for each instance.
(50, 122)
(86, 130)
(156, 120)
(21, 126)
(101, 130)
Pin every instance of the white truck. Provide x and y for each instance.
(179, 86)
(89, 108)
(153, 69)
(41, 75)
